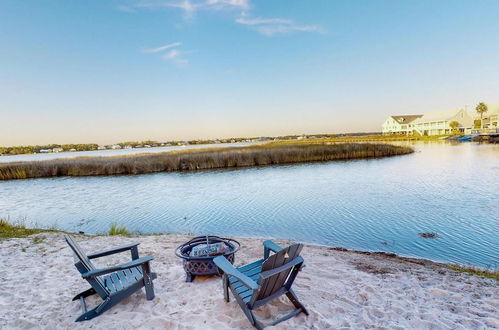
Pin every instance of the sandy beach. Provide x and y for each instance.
(341, 289)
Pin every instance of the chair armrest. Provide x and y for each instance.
(112, 269)
(229, 269)
(112, 251)
(270, 246)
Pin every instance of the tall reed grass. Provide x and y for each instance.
(115, 230)
(199, 159)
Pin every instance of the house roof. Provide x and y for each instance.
(406, 119)
(440, 115)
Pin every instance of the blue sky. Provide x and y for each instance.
(108, 70)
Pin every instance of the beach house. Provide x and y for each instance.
(491, 119)
(438, 122)
(431, 123)
(401, 124)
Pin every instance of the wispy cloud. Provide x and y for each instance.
(161, 48)
(241, 4)
(189, 7)
(126, 9)
(260, 21)
(176, 56)
(170, 52)
(264, 26)
(275, 26)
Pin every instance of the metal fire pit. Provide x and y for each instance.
(196, 266)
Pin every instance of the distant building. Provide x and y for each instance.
(438, 123)
(431, 123)
(101, 148)
(402, 124)
(115, 146)
(490, 119)
(57, 150)
(44, 151)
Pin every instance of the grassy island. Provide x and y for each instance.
(200, 159)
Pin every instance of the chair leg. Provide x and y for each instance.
(251, 317)
(225, 280)
(84, 294)
(294, 299)
(148, 285)
(104, 306)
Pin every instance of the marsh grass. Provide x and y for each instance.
(115, 230)
(200, 159)
(17, 230)
(493, 274)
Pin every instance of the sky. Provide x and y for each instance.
(104, 71)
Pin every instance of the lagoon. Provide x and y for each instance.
(376, 204)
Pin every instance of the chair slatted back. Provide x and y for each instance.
(272, 284)
(85, 265)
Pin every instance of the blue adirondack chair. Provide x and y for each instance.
(256, 284)
(112, 284)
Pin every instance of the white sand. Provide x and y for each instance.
(340, 289)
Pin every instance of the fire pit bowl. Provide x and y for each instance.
(204, 265)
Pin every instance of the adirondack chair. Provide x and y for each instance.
(256, 284)
(112, 284)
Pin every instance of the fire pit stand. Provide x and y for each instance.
(195, 266)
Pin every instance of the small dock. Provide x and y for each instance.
(490, 135)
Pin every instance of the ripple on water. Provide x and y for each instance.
(372, 205)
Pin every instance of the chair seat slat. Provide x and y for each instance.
(250, 266)
(236, 283)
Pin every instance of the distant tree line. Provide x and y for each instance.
(17, 150)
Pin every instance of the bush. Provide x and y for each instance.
(115, 230)
(9, 230)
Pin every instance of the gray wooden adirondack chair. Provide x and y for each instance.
(112, 284)
(255, 284)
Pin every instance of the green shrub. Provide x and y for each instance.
(9, 230)
(115, 230)
(494, 274)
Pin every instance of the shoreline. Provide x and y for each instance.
(201, 159)
(16, 230)
(118, 231)
(339, 287)
(341, 137)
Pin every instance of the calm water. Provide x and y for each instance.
(368, 205)
(108, 153)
